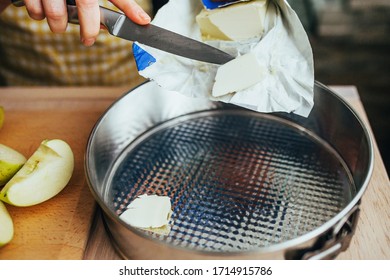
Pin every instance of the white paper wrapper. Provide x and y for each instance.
(284, 50)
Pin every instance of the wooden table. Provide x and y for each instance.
(67, 226)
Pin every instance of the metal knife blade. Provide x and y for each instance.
(120, 26)
(163, 39)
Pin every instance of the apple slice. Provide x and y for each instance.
(6, 226)
(10, 162)
(42, 177)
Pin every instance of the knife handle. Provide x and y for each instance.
(20, 3)
(71, 6)
(108, 18)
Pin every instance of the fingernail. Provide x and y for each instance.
(88, 42)
(144, 16)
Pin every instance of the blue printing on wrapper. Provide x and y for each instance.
(210, 5)
(143, 59)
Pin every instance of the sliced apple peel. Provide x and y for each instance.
(43, 176)
(10, 162)
(6, 226)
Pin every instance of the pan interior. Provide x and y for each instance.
(237, 180)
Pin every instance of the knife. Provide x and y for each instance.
(151, 35)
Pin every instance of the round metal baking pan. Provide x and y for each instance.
(242, 184)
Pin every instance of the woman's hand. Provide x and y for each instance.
(55, 12)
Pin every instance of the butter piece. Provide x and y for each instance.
(233, 23)
(238, 74)
(149, 212)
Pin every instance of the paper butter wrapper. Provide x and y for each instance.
(284, 50)
(210, 4)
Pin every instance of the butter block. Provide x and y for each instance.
(238, 74)
(149, 212)
(233, 23)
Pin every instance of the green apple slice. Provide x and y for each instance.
(6, 226)
(42, 177)
(10, 162)
(1, 116)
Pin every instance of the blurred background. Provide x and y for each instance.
(351, 46)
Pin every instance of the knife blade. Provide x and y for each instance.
(117, 24)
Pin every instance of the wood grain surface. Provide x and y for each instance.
(58, 228)
(372, 238)
(67, 226)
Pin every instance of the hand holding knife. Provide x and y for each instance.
(119, 25)
(55, 12)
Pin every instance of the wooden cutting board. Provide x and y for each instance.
(59, 227)
(64, 227)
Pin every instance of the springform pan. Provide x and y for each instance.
(243, 184)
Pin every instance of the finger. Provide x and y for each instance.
(89, 17)
(56, 14)
(133, 11)
(35, 9)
